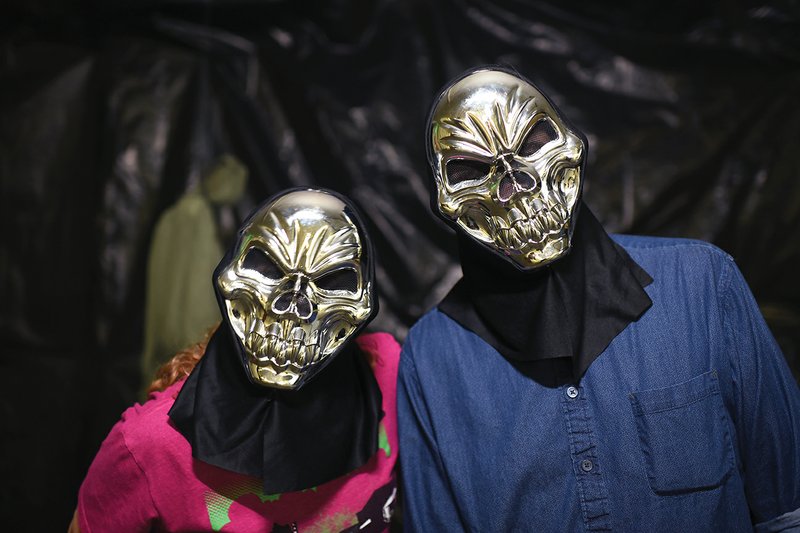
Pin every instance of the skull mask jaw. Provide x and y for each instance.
(298, 287)
(508, 168)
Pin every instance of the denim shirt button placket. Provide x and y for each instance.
(589, 477)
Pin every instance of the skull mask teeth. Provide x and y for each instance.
(298, 288)
(507, 167)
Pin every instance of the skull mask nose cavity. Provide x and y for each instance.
(294, 302)
(513, 182)
(506, 160)
(524, 181)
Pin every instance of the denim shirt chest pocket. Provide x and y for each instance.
(684, 435)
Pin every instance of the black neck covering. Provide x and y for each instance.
(292, 440)
(573, 307)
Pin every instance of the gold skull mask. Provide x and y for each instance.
(299, 286)
(508, 168)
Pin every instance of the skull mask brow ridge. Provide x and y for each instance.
(311, 250)
(297, 288)
(507, 166)
(487, 137)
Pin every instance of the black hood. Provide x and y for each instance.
(572, 308)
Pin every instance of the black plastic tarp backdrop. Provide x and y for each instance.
(111, 112)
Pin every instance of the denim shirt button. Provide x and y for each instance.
(572, 392)
(587, 465)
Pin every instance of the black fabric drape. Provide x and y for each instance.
(572, 308)
(292, 440)
(112, 110)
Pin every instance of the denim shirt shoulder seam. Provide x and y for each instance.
(730, 344)
(723, 302)
(667, 243)
(413, 373)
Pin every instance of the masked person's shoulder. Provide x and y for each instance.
(431, 330)
(147, 425)
(690, 256)
(382, 349)
(677, 245)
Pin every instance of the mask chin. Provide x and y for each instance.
(269, 376)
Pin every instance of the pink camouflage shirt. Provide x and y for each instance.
(145, 479)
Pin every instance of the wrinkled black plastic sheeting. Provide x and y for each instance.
(111, 111)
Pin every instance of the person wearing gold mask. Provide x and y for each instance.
(286, 421)
(573, 381)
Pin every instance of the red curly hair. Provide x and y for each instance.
(181, 365)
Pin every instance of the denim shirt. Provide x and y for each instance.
(688, 421)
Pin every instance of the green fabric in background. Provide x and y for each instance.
(180, 305)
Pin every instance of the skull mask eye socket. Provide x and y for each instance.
(463, 170)
(260, 262)
(343, 279)
(541, 133)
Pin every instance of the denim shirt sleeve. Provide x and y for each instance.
(428, 499)
(767, 414)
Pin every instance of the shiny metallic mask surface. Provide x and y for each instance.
(298, 287)
(508, 169)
